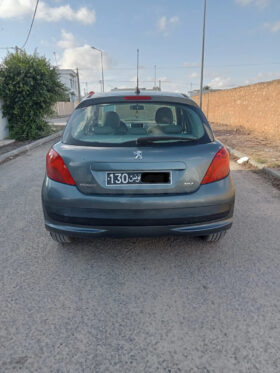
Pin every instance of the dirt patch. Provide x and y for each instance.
(262, 150)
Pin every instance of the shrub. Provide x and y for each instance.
(30, 87)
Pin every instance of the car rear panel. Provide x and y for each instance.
(187, 165)
(66, 208)
(182, 205)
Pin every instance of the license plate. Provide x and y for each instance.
(126, 178)
(123, 178)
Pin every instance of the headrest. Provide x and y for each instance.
(164, 115)
(111, 119)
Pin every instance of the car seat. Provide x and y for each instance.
(164, 116)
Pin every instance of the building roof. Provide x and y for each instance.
(67, 71)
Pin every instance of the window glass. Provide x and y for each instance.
(123, 123)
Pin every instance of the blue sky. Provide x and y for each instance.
(242, 39)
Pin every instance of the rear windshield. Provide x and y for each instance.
(122, 124)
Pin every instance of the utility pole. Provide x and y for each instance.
(103, 89)
(137, 91)
(102, 68)
(155, 83)
(54, 53)
(79, 88)
(202, 55)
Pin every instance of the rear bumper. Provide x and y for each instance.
(120, 231)
(68, 211)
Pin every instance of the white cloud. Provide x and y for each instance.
(22, 8)
(273, 27)
(67, 40)
(258, 3)
(164, 23)
(84, 57)
(194, 75)
(219, 82)
(83, 15)
(16, 8)
(174, 19)
(262, 77)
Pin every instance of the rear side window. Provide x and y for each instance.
(123, 123)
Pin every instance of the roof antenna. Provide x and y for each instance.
(137, 87)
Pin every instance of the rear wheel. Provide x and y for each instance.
(61, 238)
(214, 237)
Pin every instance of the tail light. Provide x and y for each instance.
(57, 169)
(219, 167)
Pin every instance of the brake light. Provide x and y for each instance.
(219, 167)
(57, 169)
(137, 98)
(91, 93)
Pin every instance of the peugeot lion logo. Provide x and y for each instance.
(138, 154)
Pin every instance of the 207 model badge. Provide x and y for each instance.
(138, 154)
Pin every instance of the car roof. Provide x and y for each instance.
(119, 96)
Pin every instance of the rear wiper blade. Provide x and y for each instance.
(147, 140)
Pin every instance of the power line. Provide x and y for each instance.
(33, 18)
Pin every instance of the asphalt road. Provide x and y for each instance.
(172, 304)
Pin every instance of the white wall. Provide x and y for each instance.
(4, 131)
(69, 79)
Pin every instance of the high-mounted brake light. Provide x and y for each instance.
(57, 169)
(137, 98)
(219, 167)
(91, 93)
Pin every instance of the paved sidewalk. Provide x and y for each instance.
(6, 142)
(19, 147)
(59, 121)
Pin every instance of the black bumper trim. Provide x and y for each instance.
(98, 222)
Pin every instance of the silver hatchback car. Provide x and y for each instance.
(137, 164)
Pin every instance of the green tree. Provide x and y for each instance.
(30, 87)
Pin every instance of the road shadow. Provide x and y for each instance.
(140, 253)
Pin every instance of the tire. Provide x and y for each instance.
(61, 238)
(214, 237)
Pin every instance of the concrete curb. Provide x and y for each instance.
(30, 146)
(258, 165)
